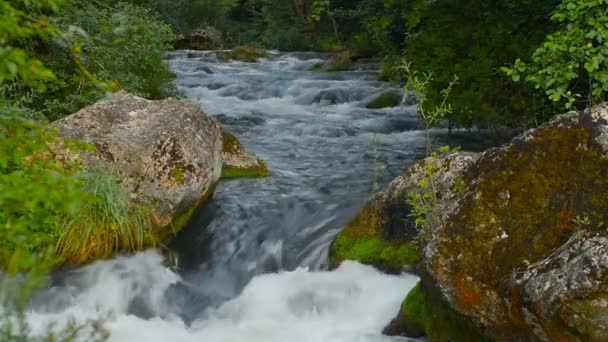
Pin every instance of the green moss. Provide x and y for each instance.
(183, 217)
(233, 146)
(342, 62)
(182, 220)
(389, 256)
(414, 316)
(385, 100)
(427, 314)
(531, 192)
(522, 208)
(178, 175)
(236, 173)
(243, 54)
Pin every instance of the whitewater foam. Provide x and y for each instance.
(352, 303)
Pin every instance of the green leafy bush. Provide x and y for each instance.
(186, 15)
(571, 66)
(37, 191)
(19, 21)
(120, 44)
(474, 39)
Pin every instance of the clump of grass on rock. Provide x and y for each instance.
(107, 221)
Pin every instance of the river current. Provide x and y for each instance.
(252, 265)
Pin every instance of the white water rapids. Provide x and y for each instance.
(352, 303)
(253, 262)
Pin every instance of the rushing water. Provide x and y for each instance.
(252, 264)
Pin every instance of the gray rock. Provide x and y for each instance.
(208, 38)
(167, 154)
(235, 156)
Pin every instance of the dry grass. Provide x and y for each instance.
(107, 222)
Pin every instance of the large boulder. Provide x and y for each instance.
(521, 253)
(208, 38)
(166, 154)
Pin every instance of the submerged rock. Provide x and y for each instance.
(239, 163)
(520, 251)
(243, 54)
(385, 100)
(166, 154)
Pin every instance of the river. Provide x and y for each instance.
(252, 264)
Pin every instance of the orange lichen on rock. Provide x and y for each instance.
(467, 293)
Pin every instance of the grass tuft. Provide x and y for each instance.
(107, 222)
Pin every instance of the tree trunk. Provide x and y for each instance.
(303, 8)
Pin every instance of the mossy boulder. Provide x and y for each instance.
(425, 313)
(166, 154)
(208, 38)
(519, 252)
(523, 255)
(385, 100)
(340, 62)
(238, 163)
(243, 53)
(383, 234)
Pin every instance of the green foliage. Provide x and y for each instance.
(429, 114)
(37, 192)
(280, 26)
(106, 221)
(186, 15)
(19, 21)
(319, 7)
(474, 39)
(572, 62)
(424, 201)
(389, 71)
(385, 23)
(120, 44)
(91, 47)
